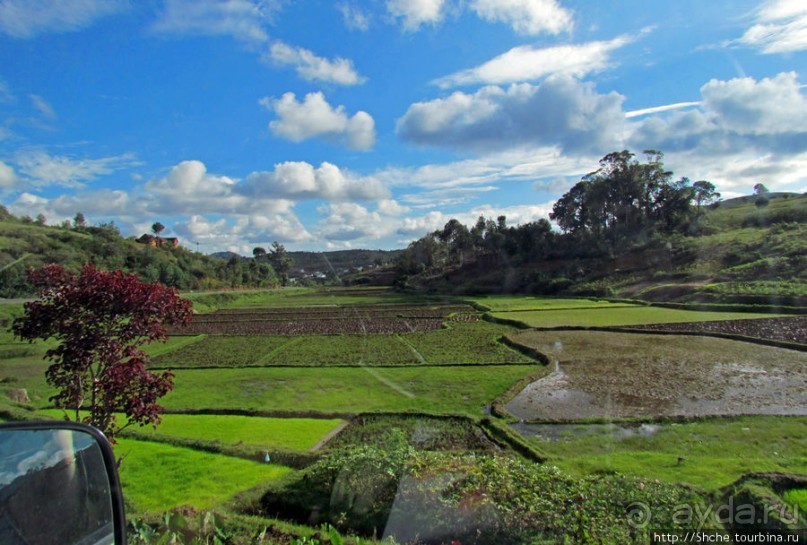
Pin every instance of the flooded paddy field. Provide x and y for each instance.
(624, 375)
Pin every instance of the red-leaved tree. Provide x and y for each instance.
(101, 319)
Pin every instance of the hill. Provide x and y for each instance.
(26, 244)
(744, 251)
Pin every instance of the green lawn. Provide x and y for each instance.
(622, 316)
(157, 477)
(714, 452)
(434, 390)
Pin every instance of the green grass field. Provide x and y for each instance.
(261, 433)
(461, 342)
(297, 297)
(798, 498)
(622, 316)
(510, 303)
(155, 350)
(297, 434)
(325, 350)
(465, 342)
(433, 390)
(714, 452)
(221, 351)
(158, 477)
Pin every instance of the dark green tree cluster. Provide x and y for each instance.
(490, 241)
(277, 257)
(624, 202)
(625, 199)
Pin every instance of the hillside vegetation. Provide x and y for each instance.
(26, 244)
(627, 234)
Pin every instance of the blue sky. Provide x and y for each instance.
(366, 124)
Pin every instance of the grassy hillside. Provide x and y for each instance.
(743, 251)
(748, 254)
(25, 244)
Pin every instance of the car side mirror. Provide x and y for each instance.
(58, 484)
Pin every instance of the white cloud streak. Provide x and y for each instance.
(781, 27)
(355, 18)
(660, 109)
(45, 169)
(243, 20)
(311, 67)
(43, 107)
(26, 19)
(528, 63)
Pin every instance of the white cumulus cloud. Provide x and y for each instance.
(314, 117)
(311, 67)
(526, 16)
(560, 111)
(347, 222)
(8, 178)
(416, 13)
(743, 131)
(30, 18)
(769, 106)
(296, 180)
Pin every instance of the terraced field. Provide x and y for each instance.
(284, 372)
(356, 320)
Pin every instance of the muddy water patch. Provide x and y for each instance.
(618, 375)
(559, 432)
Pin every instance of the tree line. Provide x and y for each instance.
(624, 202)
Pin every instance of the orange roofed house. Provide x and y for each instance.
(158, 242)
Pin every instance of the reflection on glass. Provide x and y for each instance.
(53, 489)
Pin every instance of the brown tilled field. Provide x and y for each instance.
(353, 320)
(789, 329)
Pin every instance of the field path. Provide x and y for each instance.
(330, 435)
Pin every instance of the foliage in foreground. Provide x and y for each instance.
(211, 529)
(474, 498)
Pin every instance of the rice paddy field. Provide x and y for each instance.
(304, 372)
(616, 315)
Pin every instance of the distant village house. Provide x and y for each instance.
(158, 242)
